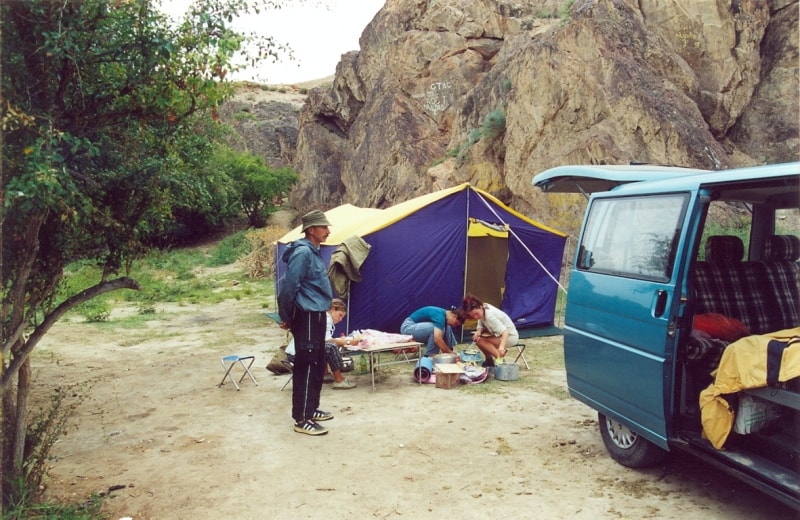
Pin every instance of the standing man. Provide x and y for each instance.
(303, 302)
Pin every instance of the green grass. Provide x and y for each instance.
(90, 510)
(230, 249)
(169, 277)
(545, 354)
(244, 115)
(565, 12)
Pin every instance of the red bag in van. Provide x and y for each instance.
(720, 326)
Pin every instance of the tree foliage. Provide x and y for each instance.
(257, 185)
(102, 102)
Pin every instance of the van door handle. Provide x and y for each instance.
(661, 303)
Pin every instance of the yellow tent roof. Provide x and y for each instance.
(348, 220)
(481, 229)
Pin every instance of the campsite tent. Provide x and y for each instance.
(433, 249)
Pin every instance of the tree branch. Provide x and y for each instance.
(17, 292)
(53, 317)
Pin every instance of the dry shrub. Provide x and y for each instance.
(260, 261)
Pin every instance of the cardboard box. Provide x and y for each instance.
(447, 375)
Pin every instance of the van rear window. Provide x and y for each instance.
(632, 236)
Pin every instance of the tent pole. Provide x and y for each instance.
(466, 259)
(565, 268)
(275, 281)
(347, 324)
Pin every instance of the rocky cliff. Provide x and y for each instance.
(494, 91)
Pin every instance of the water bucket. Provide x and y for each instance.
(423, 370)
(506, 371)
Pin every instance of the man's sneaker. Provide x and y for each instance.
(344, 385)
(328, 379)
(319, 415)
(310, 428)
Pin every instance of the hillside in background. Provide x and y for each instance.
(492, 92)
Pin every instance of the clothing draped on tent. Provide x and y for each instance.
(345, 264)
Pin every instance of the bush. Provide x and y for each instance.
(260, 261)
(229, 250)
(257, 185)
(565, 13)
(44, 429)
(95, 311)
(494, 124)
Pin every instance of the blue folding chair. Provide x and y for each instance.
(228, 362)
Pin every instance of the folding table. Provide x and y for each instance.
(374, 352)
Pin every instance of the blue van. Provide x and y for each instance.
(672, 266)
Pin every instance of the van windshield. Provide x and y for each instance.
(632, 236)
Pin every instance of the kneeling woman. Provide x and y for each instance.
(495, 330)
(433, 326)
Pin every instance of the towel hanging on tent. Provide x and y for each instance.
(345, 265)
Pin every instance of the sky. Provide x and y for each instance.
(318, 35)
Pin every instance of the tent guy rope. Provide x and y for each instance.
(512, 233)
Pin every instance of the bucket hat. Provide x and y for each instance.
(314, 218)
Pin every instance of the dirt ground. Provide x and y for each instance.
(157, 431)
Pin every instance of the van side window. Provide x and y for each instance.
(724, 218)
(632, 236)
(787, 222)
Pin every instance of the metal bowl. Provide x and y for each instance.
(444, 358)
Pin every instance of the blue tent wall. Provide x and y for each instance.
(530, 293)
(420, 260)
(414, 262)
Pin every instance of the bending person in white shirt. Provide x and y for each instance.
(495, 331)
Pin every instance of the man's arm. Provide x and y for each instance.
(438, 338)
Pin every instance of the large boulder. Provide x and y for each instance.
(495, 91)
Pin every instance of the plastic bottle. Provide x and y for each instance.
(362, 365)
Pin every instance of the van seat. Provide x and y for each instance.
(782, 248)
(719, 281)
(781, 278)
(724, 249)
(764, 295)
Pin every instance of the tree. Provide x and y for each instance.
(100, 99)
(257, 185)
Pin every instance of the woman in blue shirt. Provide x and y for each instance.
(433, 326)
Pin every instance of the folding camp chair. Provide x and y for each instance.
(228, 362)
(521, 354)
(290, 366)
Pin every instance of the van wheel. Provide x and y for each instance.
(628, 447)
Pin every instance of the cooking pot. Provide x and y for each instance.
(506, 371)
(444, 358)
(471, 355)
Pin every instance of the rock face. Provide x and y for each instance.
(494, 91)
(265, 123)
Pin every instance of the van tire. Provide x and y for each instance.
(628, 447)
